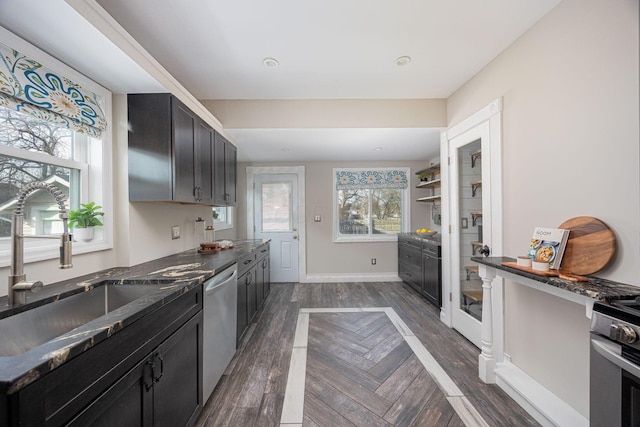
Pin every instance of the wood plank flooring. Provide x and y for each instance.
(359, 370)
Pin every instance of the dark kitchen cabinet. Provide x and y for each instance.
(419, 266)
(263, 276)
(163, 389)
(225, 172)
(254, 285)
(170, 151)
(148, 373)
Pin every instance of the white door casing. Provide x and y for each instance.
(485, 124)
(288, 244)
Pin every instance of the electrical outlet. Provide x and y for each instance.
(373, 261)
(317, 218)
(175, 232)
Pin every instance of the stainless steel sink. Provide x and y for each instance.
(29, 329)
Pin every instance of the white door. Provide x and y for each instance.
(276, 217)
(470, 219)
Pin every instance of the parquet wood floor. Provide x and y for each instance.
(359, 369)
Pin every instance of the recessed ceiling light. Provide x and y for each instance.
(401, 61)
(270, 62)
(377, 149)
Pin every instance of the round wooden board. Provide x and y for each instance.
(591, 245)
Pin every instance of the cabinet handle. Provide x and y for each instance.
(248, 261)
(264, 264)
(249, 278)
(159, 357)
(148, 369)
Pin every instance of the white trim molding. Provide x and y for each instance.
(547, 408)
(351, 278)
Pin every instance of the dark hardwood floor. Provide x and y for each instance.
(251, 393)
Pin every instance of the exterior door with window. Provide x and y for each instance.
(276, 218)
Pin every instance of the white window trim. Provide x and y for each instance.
(359, 238)
(98, 185)
(228, 224)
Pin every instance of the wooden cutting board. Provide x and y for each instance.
(591, 245)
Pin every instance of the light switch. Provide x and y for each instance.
(175, 232)
(317, 218)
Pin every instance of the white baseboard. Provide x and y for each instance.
(351, 277)
(547, 408)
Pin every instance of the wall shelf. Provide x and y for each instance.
(429, 184)
(429, 198)
(475, 246)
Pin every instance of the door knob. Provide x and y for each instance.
(294, 229)
(485, 250)
(295, 237)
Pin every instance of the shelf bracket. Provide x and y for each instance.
(474, 188)
(474, 217)
(474, 158)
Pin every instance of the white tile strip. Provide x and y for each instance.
(467, 413)
(293, 406)
(301, 337)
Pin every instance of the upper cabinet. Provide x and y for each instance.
(225, 174)
(174, 155)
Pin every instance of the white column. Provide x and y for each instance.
(487, 359)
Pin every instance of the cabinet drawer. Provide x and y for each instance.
(409, 256)
(407, 242)
(245, 263)
(411, 276)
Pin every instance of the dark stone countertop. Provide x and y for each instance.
(177, 274)
(435, 238)
(596, 288)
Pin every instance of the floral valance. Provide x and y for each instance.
(29, 87)
(349, 180)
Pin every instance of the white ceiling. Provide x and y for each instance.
(327, 49)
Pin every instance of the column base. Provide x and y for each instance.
(487, 369)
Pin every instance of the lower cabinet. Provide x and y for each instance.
(419, 266)
(163, 389)
(147, 374)
(254, 285)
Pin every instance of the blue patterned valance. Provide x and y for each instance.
(349, 179)
(28, 87)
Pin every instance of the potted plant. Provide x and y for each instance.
(424, 176)
(83, 220)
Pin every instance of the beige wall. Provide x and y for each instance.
(324, 257)
(332, 113)
(571, 148)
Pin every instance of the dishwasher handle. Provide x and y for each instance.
(218, 282)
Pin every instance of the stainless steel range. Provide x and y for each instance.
(615, 364)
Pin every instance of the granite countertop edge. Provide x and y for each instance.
(179, 273)
(597, 288)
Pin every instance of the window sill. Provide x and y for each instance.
(221, 226)
(385, 238)
(52, 252)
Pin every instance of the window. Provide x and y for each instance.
(223, 218)
(53, 129)
(370, 204)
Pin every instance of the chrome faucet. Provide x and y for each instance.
(18, 286)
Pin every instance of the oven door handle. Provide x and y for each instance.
(605, 350)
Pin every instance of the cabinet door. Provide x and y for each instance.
(150, 165)
(203, 163)
(252, 301)
(259, 283)
(266, 268)
(128, 402)
(431, 280)
(230, 165)
(242, 307)
(184, 126)
(177, 390)
(218, 170)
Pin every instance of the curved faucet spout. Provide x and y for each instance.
(17, 279)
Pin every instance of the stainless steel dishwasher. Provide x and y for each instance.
(219, 329)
